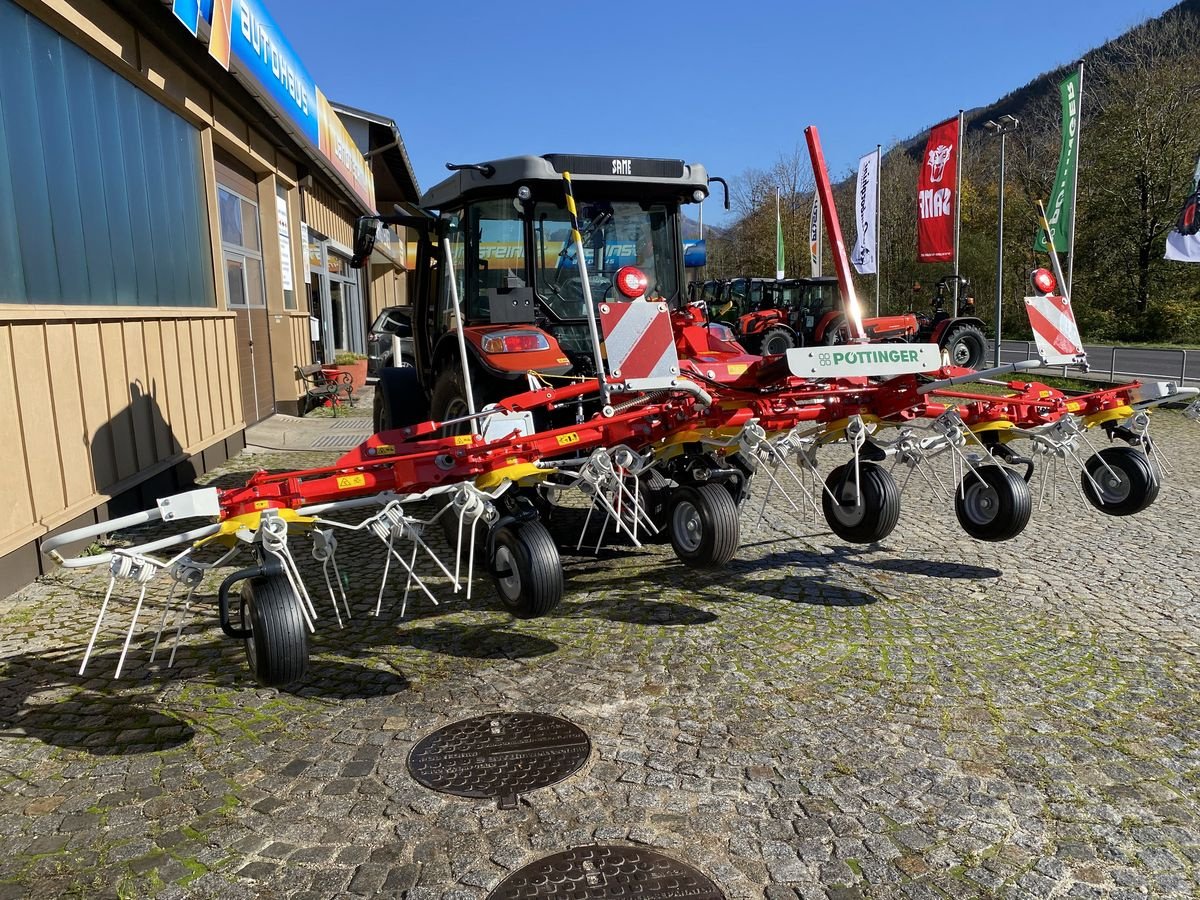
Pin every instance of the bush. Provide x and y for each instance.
(346, 358)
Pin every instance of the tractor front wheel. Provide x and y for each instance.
(993, 503)
(966, 346)
(863, 513)
(1119, 481)
(527, 568)
(777, 340)
(702, 523)
(277, 647)
(399, 400)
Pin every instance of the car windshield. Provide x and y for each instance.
(614, 235)
(391, 322)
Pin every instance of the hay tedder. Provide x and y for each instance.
(555, 356)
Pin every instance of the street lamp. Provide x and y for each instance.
(1002, 127)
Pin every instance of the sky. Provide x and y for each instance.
(730, 85)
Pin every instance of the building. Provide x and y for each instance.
(177, 201)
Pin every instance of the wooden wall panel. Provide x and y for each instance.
(73, 435)
(120, 424)
(183, 429)
(323, 211)
(94, 392)
(137, 382)
(16, 512)
(37, 425)
(165, 441)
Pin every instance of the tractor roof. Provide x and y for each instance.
(620, 176)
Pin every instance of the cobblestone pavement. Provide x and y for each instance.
(931, 717)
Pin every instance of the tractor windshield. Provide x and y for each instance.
(615, 234)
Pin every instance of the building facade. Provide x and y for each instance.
(177, 201)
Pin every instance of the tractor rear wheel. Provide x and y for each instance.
(277, 648)
(702, 523)
(865, 513)
(399, 400)
(777, 340)
(966, 345)
(527, 568)
(838, 332)
(1121, 481)
(993, 503)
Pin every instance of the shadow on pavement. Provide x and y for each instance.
(475, 642)
(934, 568)
(644, 612)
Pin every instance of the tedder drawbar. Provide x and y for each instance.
(555, 354)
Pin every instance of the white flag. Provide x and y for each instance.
(814, 236)
(1183, 243)
(865, 212)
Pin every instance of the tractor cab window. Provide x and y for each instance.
(621, 233)
(737, 296)
(499, 246)
(454, 224)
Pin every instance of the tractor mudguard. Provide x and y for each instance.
(945, 325)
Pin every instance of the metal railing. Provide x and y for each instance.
(1140, 362)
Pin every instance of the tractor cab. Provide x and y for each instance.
(504, 228)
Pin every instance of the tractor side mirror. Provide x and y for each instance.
(694, 254)
(364, 239)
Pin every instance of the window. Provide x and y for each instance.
(101, 187)
(240, 245)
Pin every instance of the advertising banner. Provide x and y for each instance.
(1183, 242)
(814, 237)
(863, 256)
(1058, 212)
(935, 194)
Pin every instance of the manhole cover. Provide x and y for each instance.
(500, 755)
(594, 873)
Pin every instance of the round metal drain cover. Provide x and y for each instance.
(596, 873)
(500, 755)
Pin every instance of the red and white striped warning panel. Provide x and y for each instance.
(1054, 329)
(638, 340)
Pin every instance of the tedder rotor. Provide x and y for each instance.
(555, 355)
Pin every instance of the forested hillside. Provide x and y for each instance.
(1139, 141)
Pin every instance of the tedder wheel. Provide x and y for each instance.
(777, 340)
(527, 568)
(1128, 488)
(703, 525)
(996, 508)
(966, 346)
(399, 400)
(861, 519)
(277, 648)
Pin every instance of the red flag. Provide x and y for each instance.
(935, 194)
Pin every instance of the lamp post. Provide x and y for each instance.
(1002, 127)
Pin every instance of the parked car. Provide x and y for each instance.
(390, 341)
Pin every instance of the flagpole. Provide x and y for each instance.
(878, 216)
(1075, 186)
(958, 206)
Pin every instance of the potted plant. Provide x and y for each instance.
(355, 364)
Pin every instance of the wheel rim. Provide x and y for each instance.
(962, 353)
(775, 346)
(456, 409)
(248, 624)
(981, 503)
(848, 511)
(1114, 483)
(687, 526)
(510, 584)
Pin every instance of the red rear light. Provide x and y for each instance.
(632, 282)
(514, 341)
(1044, 281)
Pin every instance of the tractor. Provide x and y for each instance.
(506, 228)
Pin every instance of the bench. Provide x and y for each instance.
(322, 385)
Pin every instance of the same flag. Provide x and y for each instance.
(778, 241)
(865, 212)
(1059, 210)
(935, 194)
(1183, 242)
(814, 236)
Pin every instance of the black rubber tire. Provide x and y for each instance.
(880, 510)
(1135, 490)
(449, 398)
(997, 508)
(703, 525)
(527, 569)
(968, 342)
(838, 332)
(399, 399)
(776, 341)
(277, 649)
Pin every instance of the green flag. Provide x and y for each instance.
(778, 240)
(1059, 208)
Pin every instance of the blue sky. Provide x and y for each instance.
(730, 85)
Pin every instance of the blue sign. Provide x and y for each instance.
(264, 54)
(694, 254)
